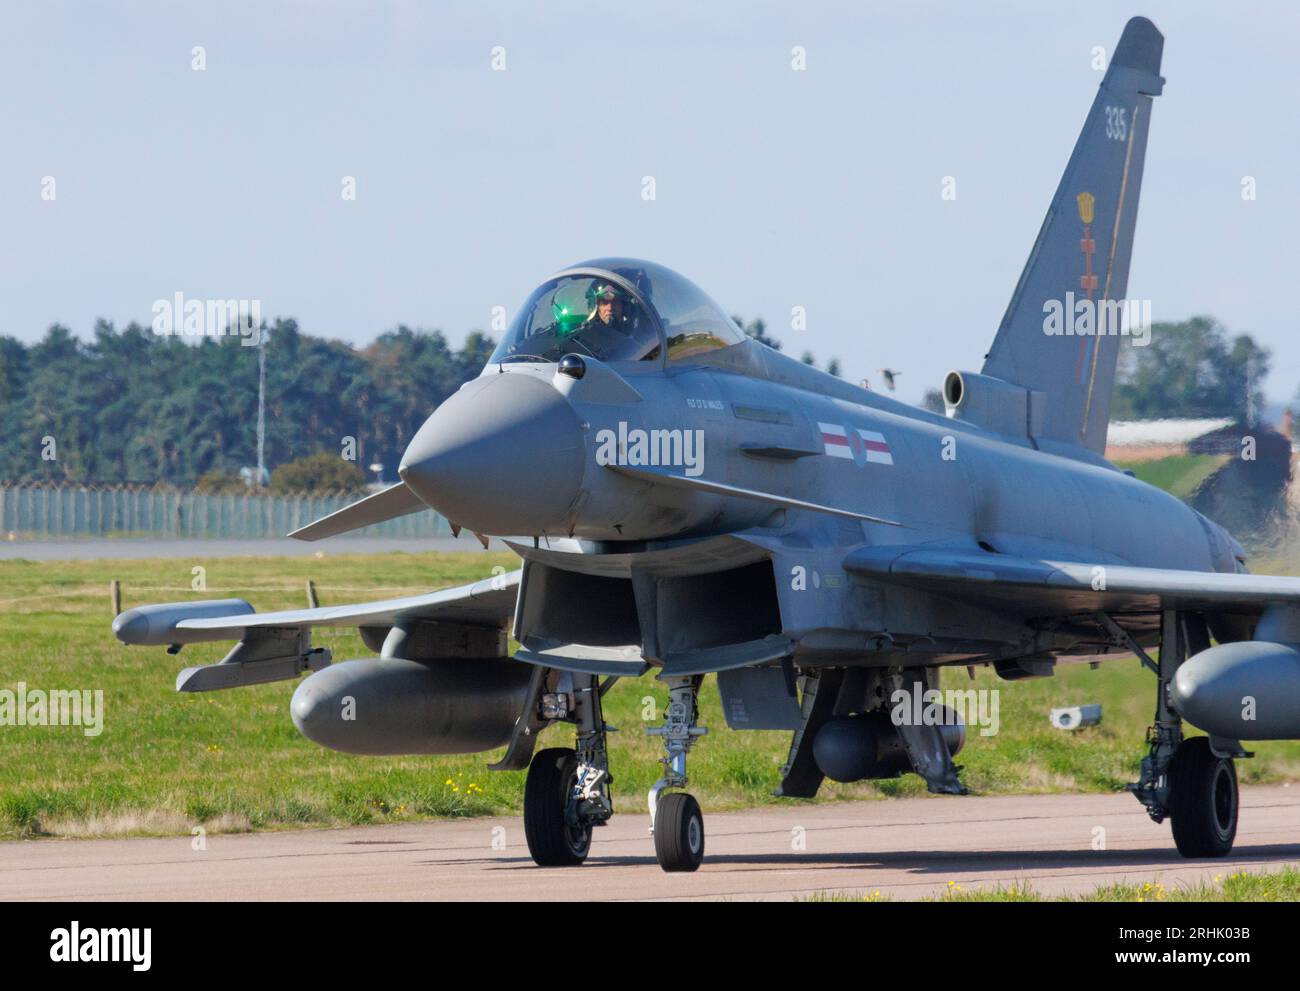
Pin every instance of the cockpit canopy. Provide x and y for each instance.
(617, 309)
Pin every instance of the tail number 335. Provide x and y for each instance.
(1117, 123)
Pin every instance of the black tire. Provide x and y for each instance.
(679, 833)
(1203, 800)
(552, 841)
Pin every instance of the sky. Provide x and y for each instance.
(774, 187)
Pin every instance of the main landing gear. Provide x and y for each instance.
(567, 793)
(1193, 783)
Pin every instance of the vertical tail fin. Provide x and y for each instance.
(1081, 256)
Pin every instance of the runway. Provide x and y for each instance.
(902, 848)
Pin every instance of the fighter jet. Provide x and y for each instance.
(687, 502)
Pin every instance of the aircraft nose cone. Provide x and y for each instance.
(503, 456)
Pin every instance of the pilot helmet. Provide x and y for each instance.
(600, 292)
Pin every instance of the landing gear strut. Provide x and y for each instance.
(676, 820)
(1193, 783)
(567, 791)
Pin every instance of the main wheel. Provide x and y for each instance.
(1202, 800)
(679, 833)
(552, 841)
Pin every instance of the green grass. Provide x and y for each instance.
(1179, 474)
(166, 763)
(1244, 886)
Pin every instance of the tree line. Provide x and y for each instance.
(130, 406)
(1194, 368)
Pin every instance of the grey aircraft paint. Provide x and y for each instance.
(695, 502)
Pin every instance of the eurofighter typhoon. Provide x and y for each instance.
(687, 502)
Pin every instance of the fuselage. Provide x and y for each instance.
(804, 434)
(529, 450)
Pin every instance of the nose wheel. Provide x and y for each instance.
(679, 833)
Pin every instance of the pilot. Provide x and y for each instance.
(608, 308)
(609, 322)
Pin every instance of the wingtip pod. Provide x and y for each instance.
(1140, 46)
(156, 625)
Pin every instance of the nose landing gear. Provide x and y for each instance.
(675, 819)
